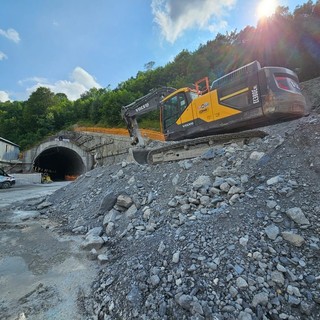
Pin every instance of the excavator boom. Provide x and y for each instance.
(145, 104)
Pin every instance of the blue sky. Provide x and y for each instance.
(71, 46)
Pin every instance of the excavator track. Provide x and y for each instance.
(192, 148)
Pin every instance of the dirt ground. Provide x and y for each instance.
(42, 275)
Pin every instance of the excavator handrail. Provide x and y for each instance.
(245, 70)
(199, 84)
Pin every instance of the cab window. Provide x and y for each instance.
(173, 108)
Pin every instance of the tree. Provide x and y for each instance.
(10, 120)
(62, 111)
(35, 117)
(112, 103)
(149, 65)
(40, 100)
(316, 10)
(304, 10)
(199, 67)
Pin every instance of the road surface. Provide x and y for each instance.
(28, 191)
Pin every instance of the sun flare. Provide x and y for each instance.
(266, 8)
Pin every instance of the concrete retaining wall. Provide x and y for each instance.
(25, 178)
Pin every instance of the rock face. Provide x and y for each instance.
(234, 234)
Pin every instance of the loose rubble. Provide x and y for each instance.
(233, 236)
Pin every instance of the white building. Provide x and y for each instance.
(9, 151)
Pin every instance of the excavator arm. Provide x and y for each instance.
(145, 104)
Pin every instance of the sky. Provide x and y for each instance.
(71, 46)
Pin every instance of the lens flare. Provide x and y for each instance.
(266, 8)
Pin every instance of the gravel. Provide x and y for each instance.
(234, 236)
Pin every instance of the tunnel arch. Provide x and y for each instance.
(59, 162)
(60, 159)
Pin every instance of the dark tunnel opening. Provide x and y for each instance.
(60, 163)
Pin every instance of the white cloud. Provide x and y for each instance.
(3, 56)
(4, 96)
(82, 76)
(80, 82)
(174, 17)
(11, 34)
(32, 80)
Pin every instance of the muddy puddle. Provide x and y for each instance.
(43, 275)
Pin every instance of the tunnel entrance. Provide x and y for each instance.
(60, 163)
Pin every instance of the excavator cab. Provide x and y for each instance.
(172, 107)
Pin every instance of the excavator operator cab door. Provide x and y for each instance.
(171, 111)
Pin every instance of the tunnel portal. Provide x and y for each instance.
(60, 163)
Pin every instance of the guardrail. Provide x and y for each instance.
(151, 134)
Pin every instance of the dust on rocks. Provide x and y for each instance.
(235, 235)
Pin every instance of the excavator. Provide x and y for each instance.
(230, 108)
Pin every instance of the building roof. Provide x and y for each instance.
(9, 142)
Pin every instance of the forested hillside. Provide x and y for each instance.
(288, 39)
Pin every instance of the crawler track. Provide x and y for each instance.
(187, 149)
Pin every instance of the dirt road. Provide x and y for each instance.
(43, 275)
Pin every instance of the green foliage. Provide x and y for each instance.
(152, 124)
(285, 39)
(149, 65)
(10, 120)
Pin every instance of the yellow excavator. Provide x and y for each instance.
(45, 178)
(247, 98)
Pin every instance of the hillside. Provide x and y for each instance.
(233, 234)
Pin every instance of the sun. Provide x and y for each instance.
(266, 8)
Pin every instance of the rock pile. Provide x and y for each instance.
(234, 234)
